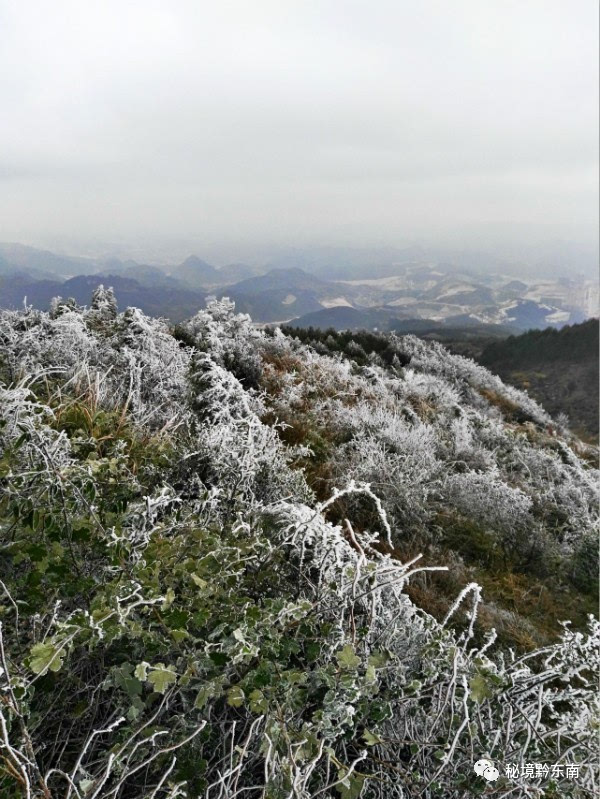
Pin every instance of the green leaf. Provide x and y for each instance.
(134, 711)
(161, 677)
(370, 738)
(347, 660)
(141, 671)
(235, 696)
(293, 677)
(351, 787)
(480, 688)
(199, 581)
(313, 650)
(379, 659)
(44, 657)
(258, 702)
(209, 690)
(218, 658)
(124, 679)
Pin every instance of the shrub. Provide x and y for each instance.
(183, 617)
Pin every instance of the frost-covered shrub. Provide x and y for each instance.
(242, 457)
(465, 374)
(182, 618)
(229, 338)
(446, 434)
(489, 501)
(104, 304)
(58, 306)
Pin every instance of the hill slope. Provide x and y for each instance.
(281, 294)
(209, 562)
(557, 367)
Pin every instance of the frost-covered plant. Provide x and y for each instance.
(181, 617)
(431, 441)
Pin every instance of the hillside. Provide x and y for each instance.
(559, 368)
(343, 317)
(239, 565)
(281, 294)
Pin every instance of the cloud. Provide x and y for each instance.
(298, 119)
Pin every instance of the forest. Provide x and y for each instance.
(244, 563)
(557, 367)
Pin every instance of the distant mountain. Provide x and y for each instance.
(8, 269)
(196, 273)
(347, 263)
(30, 261)
(284, 294)
(144, 274)
(174, 303)
(394, 284)
(233, 273)
(288, 279)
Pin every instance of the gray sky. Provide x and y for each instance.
(299, 121)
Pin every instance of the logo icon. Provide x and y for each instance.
(486, 769)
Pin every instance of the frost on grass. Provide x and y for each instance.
(201, 595)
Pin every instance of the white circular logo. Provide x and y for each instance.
(486, 769)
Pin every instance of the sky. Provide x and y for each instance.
(299, 122)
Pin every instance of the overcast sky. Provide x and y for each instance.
(299, 121)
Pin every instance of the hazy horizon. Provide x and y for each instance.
(240, 129)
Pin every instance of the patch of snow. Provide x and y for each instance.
(336, 302)
(558, 316)
(506, 308)
(403, 301)
(460, 288)
(394, 282)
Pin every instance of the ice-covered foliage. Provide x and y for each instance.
(442, 436)
(201, 591)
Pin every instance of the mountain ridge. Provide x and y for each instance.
(417, 290)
